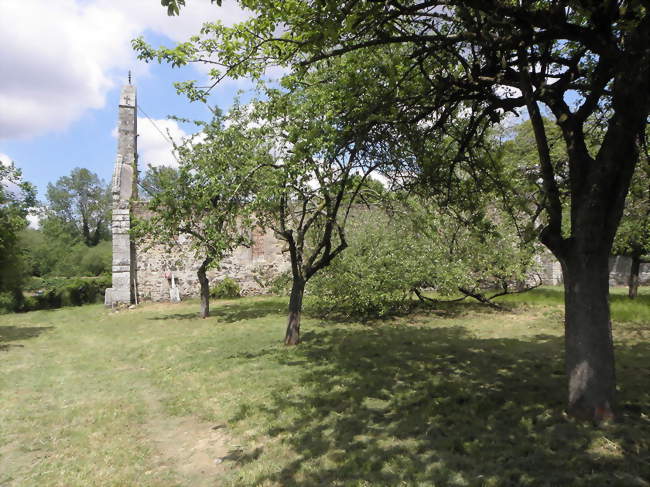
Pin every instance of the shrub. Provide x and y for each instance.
(281, 284)
(68, 292)
(388, 258)
(226, 289)
(96, 260)
(7, 303)
(375, 275)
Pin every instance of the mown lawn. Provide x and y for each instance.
(461, 396)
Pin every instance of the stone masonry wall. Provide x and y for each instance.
(252, 267)
(619, 271)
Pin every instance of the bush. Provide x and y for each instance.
(8, 302)
(59, 254)
(96, 260)
(281, 284)
(226, 289)
(68, 292)
(375, 276)
(388, 258)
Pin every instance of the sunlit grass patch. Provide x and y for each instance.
(623, 309)
(464, 397)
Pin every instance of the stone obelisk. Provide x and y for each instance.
(124, 191)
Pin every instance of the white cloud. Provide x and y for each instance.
(5, 160)
(150, 15)
(61, 57)
(34, 221)
(154, 146)
(8, 184)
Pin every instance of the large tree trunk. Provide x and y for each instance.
(292, 337)
(588, 336)
(633, 282)
(205, 288)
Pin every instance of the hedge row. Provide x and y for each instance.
(68, 292)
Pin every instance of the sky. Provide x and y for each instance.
(63, 65)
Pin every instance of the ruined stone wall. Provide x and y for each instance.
(252, 267)
(619, 271)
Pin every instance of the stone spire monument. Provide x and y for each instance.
(124, 191)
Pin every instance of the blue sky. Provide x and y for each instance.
(58, 98)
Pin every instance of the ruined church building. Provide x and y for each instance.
(151, 273)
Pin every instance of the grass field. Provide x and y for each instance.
(457, 396)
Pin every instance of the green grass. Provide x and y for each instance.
(463, 396)
(623, 309)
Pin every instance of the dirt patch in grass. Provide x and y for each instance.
(194, 449)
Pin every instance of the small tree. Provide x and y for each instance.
(208, 198)
(319, 172)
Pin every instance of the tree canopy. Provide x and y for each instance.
(81, 203)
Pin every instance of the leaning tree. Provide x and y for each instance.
(481, 59)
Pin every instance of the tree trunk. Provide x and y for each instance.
(85, 230)
(205, 288)
(633, 282)
(292, 337)
(588, 336)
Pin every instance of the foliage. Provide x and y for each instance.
(80, 202)
(17, 197)
(226, 289)
(156, 179)
(11, 301)
(56, 293)
(50, 251)
(409, 76)
(174, 6)
(421, 247)
(633, 235)
(97, 260)
(206, 198)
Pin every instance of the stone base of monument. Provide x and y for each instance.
(108, 297)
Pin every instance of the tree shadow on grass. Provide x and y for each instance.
(177, 316)
(404, 405)
(17, 333)
(232, 312)
(247, 310)
(440, 309)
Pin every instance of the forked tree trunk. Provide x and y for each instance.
(292, 337)
(588, 336)
(633, 282)
(205, 288)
